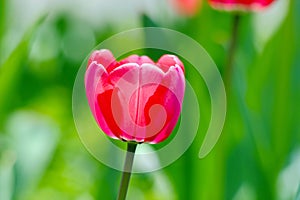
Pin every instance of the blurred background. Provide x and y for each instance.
(42, 46)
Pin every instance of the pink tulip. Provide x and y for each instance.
(243, 5)
(135, 99)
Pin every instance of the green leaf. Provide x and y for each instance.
(2, 26)
(7, 163)
(298, 194)
(11, 69)
(34, 138)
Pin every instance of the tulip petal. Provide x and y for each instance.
(166, 61)
(111, 102)
(174, 79)
(108, 102)
(240, 4)
(154, 101)
(137, 59)
(103, 57)
(135, 86)
(149, 120)
(96, 76)
(92, 76)
(166, 98)
(172, 92)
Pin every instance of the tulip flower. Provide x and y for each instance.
(187, 7)
(240, 5)
(134, 100)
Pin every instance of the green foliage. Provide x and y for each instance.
(41, 156)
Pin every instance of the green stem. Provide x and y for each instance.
(231, 52)
(131, 147)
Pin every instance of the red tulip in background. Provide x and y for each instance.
(135, 99)
(187, 7)
(246, 5)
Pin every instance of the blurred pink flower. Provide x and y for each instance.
(240, 5)
(187, 7)
(135, 99)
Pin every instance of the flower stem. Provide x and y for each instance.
(131, 147)
(231, 52)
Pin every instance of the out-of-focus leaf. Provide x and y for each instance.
(298, 193)
(148, 22)
(7, 162)
(270, 104)
(149, 39)
(78, 36)
(245, 192)
(12, 67)
(2, 21)
(267, 23)
(289, 177)
(34, 139)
